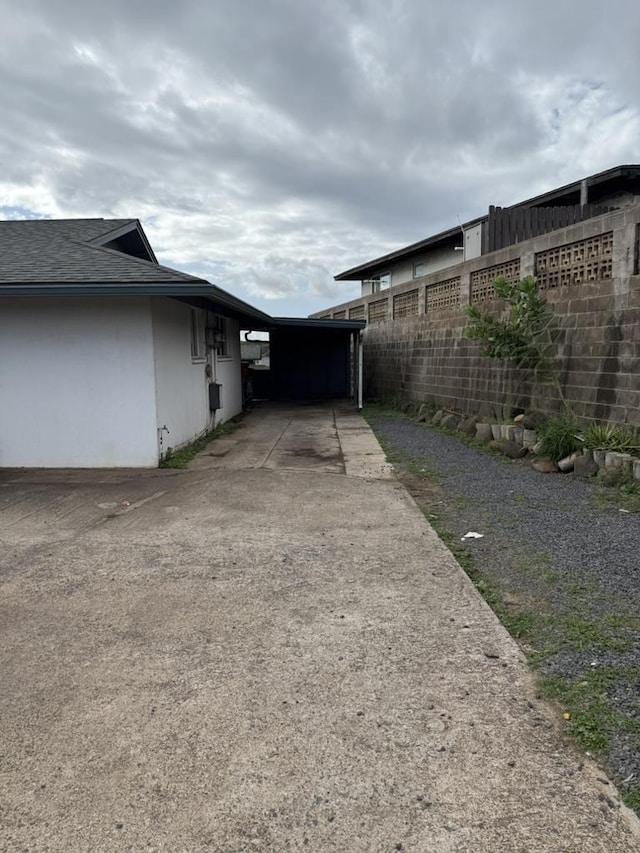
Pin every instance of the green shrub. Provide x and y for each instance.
(610, 437)
(558, 437)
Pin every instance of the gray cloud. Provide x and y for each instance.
(269, 144)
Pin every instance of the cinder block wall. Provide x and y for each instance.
(415, 348)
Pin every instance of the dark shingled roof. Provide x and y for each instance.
(70, 251)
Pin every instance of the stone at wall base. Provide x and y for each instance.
(468, 425)
(600, 458)
(496, 431)
(534, 420)
(449, 421)
(509, 448)
(545, 465)
(568, 463)
(614, 459)
(585, 465)
(529, 437)
(435, 420)
(483, 432)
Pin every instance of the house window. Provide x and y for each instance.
(196, 325)
(220, 337)
(419, 269)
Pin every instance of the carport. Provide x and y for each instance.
(313, 360)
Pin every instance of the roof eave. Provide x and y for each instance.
(218, 299)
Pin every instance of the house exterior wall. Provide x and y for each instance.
(227, 372)
(415, 348)
(180, 380)
(436, 259)
(76, 383)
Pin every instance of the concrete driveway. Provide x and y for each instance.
(271, 651)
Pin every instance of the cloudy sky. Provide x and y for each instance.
(270, 144)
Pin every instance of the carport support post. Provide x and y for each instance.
(360, 372)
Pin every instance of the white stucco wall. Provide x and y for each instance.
(181, 382)
(76, 383)
(227, 373)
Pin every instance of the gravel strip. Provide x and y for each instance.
(550, 546)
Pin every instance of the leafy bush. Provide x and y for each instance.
(558, 437)
(610, 437)
(526, 338)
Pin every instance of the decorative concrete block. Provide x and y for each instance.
(483, 432)
(600, 458)
(529, 437)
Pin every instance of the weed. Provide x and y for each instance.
(181, 458)
(632, 799)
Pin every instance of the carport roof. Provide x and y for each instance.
(307, 322)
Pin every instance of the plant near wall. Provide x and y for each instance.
(610, 437)
(559, 436)
(526, 337)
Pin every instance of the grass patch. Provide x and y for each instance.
(181, 458)
(592, 718)
(622, 491)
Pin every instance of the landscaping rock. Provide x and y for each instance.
(610, 476)
(518, 419)
(585, 465)
(496, 431)
(537, 447)
(636, 469)
(518, 435)
(468, 425)
(483, 432)
(534, 419)
(567, 464)
(435, 420)
(545, 465)
(449, 421)
(509, 448)
(529, 437)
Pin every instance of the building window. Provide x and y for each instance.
(220, 337)
(377, 283)
(419, 269)
(196, 324)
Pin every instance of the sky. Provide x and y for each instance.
(268, 145)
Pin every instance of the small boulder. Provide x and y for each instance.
(610, 476)
(509, 448)
(483, 432)
(567, 464)
(518, 419)
(585, 465)
(450, 421)
(534, 419)
(468, 425)
(437, 418)
(545, 465)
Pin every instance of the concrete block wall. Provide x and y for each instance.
(425, 356)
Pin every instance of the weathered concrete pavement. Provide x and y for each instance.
(269, 652)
